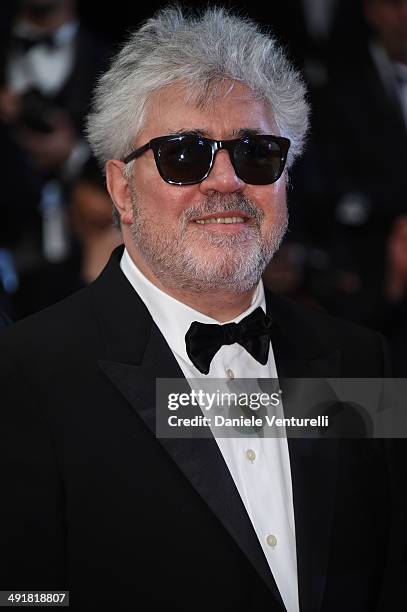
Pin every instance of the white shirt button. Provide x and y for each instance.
(230, 374)
(271, 540)
(250, 454)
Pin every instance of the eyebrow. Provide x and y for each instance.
(238, 133)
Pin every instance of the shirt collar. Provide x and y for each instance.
(172, 317)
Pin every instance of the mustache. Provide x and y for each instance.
(222, 204)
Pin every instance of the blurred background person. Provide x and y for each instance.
(353, 180)
(314, 32)
(91, 219)
(50, 64)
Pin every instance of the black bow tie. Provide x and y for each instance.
(203, 340)
(26, 44)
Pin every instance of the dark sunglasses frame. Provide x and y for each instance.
(215, 145)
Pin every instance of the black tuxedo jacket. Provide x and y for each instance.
(93, 502)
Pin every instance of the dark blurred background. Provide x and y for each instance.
(346, 250)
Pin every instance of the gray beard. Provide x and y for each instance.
(232, 263)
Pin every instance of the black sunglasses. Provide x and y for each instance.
(188, 159)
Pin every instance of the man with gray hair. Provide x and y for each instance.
(197, 122)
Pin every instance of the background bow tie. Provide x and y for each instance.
(26, 44)
(203, 340)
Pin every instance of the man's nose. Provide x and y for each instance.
(222, 177)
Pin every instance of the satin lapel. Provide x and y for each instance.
(133, 371)
(313, 461)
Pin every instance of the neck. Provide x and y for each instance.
(218, 304)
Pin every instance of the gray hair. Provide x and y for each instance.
(204, 51)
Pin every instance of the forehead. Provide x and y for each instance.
(233, 108)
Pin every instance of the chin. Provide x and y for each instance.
(223, 269)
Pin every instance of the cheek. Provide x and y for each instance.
(166, 201)
(271, 200)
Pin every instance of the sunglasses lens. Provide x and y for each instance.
(259, 160)
(184, 160)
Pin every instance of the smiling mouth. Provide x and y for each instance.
(221, 220)
(230, 217)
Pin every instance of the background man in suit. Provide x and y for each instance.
(194, 120)
(351, 184)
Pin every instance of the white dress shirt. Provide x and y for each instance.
(260, 467)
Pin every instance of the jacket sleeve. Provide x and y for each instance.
(32, 545)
